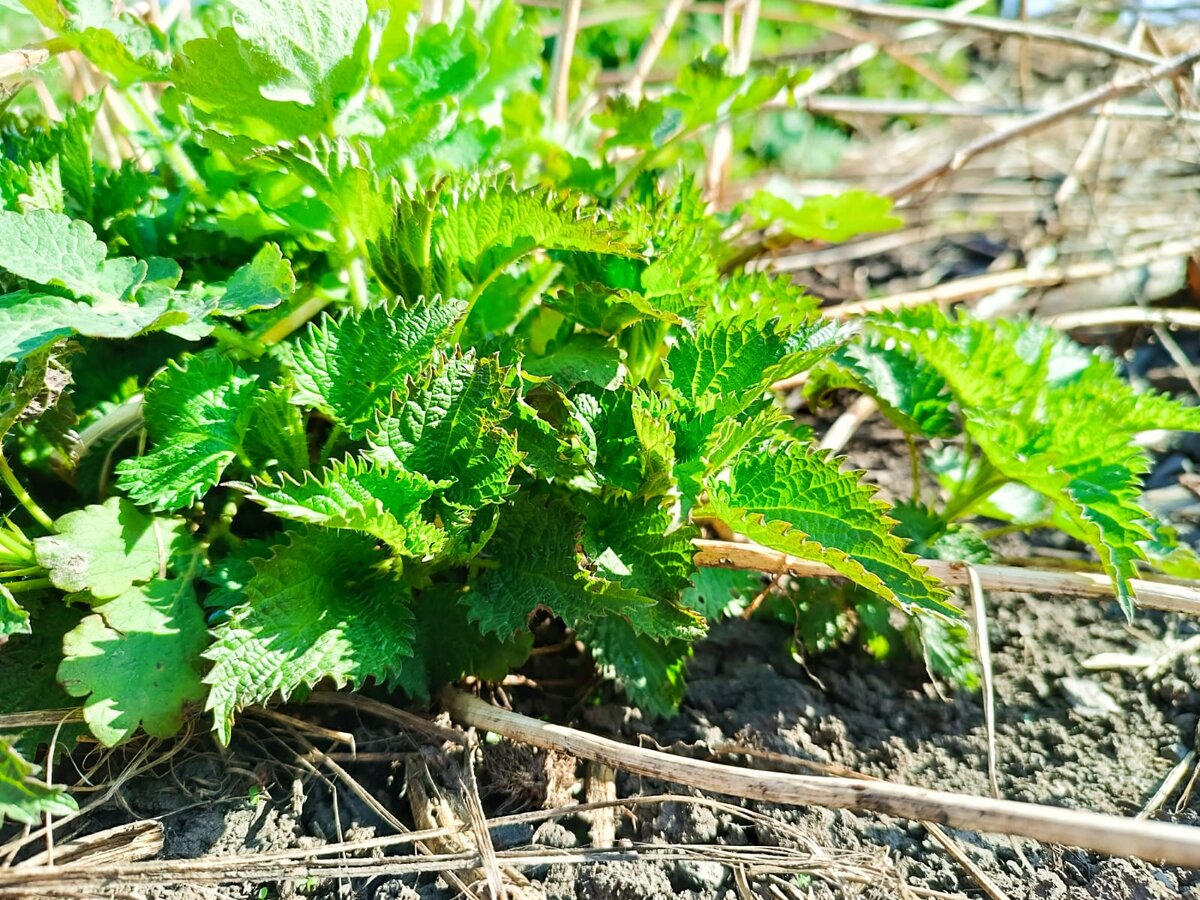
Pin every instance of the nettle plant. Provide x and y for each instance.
(358, 365)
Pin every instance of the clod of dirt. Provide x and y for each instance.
(556, 835)
(623, 881)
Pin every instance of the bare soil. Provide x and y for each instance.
(1099, 740)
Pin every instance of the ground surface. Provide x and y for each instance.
(1085, 739)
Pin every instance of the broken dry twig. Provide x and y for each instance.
(1150, 594)
(1176, 844)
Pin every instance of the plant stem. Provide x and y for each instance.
(299, 316)
(33, 584)
(235, 340)
(14, 544)
(981, 487)
(335, 435)
(356, 271)
(21, 573)
(915, 459)
(22, 495)
(1012, 528)
(171, 150)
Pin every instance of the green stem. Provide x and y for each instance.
(22, 573)
(301, 314)
(497, 271)
(171, 150)
(335, 435)
(1011, 528)
(15, 545)
(647, 159)
(33, 584)
(982, 486)
(235, 340)
(22, 495)
(356, 271)
(915, 459)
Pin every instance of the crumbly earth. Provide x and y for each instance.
(1066, 735)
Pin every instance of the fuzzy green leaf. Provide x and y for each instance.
(447, 429)
(726, 365)
(538, 565)
(1052, 417)
(137, 661)
(448, 645)
(25, 798)
(14, 618)
(50, 248)
(650, 671)
(800, 502)
(718, 593)
(465, 235)
(262, 283)
(318, 608)
(29, 322)
(276, 440)
(379, 500)
(107, 549)
(198, 415)
(280, 71)
(910, 392)
(829, 217)
(28, 664)
(124, 45)
(640, 544)
(349, 368)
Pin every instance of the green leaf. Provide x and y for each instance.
(829, 217)
(28, 664)
(1050, 416)
(818, 611)
(705, 444)
(319, 608)
(910, 392)
(720, 593)
(344, 180)
(25, 798)
(262, 283)
(31, 387)
(29, 322)
(947, 648)
(726, 365)
(639, 543)
(930, 536)
(121, 44)
(136, 660)
(107, 549)
(198, 415)
(706, 93)
(277, 440)
(650, 671)
(537, 565)
(800, 502)
(14, 618)
(634, 441)
(448, 429)
(463, 236)
(280, 71)
(586, 359)
(448, 645)
(349, 368)
(383, 501)
(49, 248)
